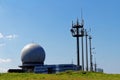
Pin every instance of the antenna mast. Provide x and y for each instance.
(82, 31)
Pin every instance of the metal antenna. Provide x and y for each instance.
(82, 43)
(82, 20)
(95, 65)
(78, 31)
(91, 63)
(77, 21)
(86, 37)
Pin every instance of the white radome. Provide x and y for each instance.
(32, 53)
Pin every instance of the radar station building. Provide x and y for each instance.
(33, 57)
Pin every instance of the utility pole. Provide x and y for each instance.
(95, 65)
(91, 64)
(82, 31)
(77, 32)
(86, 35)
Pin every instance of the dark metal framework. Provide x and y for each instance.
(91, 63)
(86, 37)
(77, 31)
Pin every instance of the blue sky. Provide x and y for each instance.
(48, 23)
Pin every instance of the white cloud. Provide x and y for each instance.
(5, 60)
(1, 36)
(11, 36)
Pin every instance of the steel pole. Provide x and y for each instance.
(77, 38)
(86, 52)
(91, 64)
(82, 54)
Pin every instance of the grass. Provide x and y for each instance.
(68, 75)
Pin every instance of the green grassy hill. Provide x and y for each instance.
(68, 75)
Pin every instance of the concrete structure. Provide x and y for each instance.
(54, 68)
(33, 57)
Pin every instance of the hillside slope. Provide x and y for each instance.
(68, 75)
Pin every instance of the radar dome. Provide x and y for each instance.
(32, 54)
